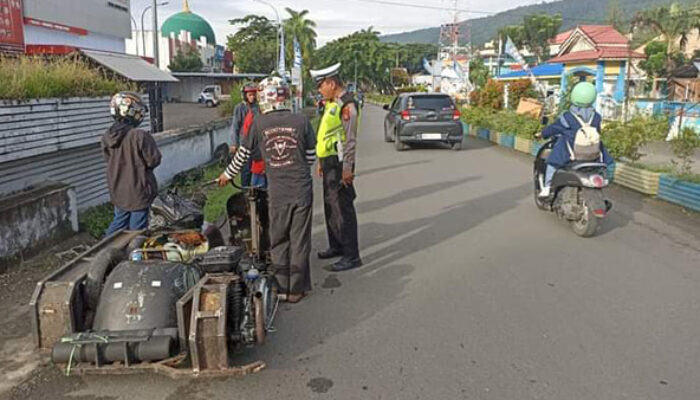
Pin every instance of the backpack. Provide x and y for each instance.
(586, 143)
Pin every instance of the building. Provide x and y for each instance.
(179, 31)
(50, 26)
(598, 53)
(684, 83)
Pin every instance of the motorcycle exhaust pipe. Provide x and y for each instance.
(155, 348)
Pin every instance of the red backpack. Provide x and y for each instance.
(258, 165)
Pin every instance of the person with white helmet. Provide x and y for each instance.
(287, 144)
(580, 124)
(131, 154)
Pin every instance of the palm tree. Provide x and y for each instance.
(673, 23)
(297, 25)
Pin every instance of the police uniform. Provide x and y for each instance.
(335, 147)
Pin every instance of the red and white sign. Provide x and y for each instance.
(11, 26)
(55, 26)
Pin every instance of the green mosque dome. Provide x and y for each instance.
(190, 22)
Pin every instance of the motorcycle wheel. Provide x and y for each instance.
(539, 203)
(259, 320)
(587, 225)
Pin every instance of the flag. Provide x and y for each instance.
(512, 51)
(427, 67)
(297, 53)
(281, 68)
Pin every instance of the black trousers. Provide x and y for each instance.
(290, 247)
(339, 209)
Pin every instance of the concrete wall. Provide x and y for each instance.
(37, 217)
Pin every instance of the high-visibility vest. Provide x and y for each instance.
(331, 134)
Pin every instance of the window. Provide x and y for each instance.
(436, 103)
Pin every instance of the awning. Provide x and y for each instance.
(130, 67)
(546, 71)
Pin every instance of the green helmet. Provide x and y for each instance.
(583, 94)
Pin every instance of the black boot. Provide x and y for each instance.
(329, 253)
(345, 264)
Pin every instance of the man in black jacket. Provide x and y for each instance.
(131, 156)
(287, 144)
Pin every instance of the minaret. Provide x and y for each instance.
(187, 7)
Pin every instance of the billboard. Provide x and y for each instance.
(107, 17)
(11, 26)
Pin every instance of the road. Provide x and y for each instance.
(469, 292)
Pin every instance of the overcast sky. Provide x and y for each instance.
(334, 18)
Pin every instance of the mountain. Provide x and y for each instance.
(573, 12)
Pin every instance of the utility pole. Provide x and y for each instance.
(155, 33)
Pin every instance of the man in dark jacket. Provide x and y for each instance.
(287, 144)
(243, 115)
(565, 129)
(131, 156)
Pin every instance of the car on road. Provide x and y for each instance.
(415, 118)
(211, 96)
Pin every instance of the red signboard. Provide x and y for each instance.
(55, 26)
(11, 26)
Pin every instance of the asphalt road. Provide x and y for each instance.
(469, 292)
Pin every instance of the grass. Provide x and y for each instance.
(28, 77)
(658, 168)
(96, 220)
(692, 178)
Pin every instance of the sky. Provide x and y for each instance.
(334, 18)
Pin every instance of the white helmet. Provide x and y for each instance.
(273, 94)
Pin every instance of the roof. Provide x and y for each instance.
(189, 22)
(561, 38)
(686, 71)
(216, 75)
(133, 68)
(602, 53)
(599, 34)
(543, 70)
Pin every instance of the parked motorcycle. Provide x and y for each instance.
(576, 192)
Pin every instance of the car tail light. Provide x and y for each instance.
(405, 115)
(456, 115)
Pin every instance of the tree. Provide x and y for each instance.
(515, 32)
(478, 73)
(616, 16)
(656, 63)
(297, 25)
(672, 23)
(364, 50)
(537, 30)
(254, 45)
(187, 59)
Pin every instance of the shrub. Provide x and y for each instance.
(96, 220)
(624, 140)
(684, 146)
(477, 116)
(27, 77)
(226, 108)
(519, 89)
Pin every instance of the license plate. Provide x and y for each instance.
(432, 136)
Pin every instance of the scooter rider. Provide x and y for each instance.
(243, 116)
(287, 144)
(580, 117)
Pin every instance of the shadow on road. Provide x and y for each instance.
(411, 194)
(391, 167)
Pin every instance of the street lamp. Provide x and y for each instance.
(143, 32)
(280, 31)
(136, 29)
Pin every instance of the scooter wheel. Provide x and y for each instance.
(587, 225)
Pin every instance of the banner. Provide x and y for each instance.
(297, 54)
(512, 51)
(11, 26)
(281, 68)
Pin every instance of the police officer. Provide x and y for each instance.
(287, 144)
(335, 148)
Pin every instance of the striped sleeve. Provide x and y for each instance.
(239, 160)
(310, 156)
